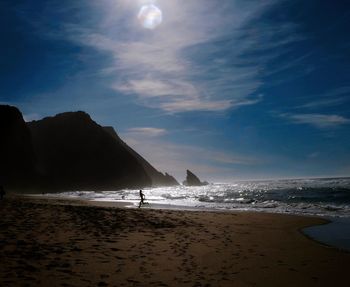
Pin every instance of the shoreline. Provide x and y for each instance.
(334, 234)
(316, 235)
(157, 206)
(313, 232)
(78, 243)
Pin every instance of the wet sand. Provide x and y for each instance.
(50, 242)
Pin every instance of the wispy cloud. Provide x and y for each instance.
(145, 132)
(332, 98)
(324, 103)
(288, 65)
(317, 120)
(180, 66)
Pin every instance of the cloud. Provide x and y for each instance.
(324, 103)
(145, 132)
(317, 120)
(150, 88)
(194, 60)
(195, 104)
(332, 98)
(290, 64)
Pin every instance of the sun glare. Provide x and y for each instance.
(150, 16)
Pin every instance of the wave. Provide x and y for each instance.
(329, 196)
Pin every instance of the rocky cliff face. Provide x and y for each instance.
(170, 180)
(69, 152)
(193, 180)
(158, 178)
(16, 150)
(74, 152)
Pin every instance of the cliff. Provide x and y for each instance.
(74, 152)
(69, 152)
(193, 180)
(158, 178)
(16, 150)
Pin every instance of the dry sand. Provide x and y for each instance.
(69, 243)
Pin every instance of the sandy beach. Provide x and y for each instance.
(50, 242)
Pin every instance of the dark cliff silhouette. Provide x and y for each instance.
(158, 178)
(74, 152)
(69, 151)
(16, 150)
(193, 180)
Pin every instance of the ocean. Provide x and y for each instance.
(321, 197)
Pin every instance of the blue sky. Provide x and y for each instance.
(231, 89)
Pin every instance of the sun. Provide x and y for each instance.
(150, 16)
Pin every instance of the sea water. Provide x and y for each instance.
(321, 197)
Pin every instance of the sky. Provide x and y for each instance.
(230, 89)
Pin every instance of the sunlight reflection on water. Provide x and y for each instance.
(329, 197)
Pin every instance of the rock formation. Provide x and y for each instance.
(158, 178)
(69, 152)
(74, 152)
(193, 180)
(16, 150)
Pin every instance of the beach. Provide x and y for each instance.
(58, 242)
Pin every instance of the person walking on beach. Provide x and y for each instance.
(2, 192)
(142, 198)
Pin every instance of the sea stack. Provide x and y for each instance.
(193, 180)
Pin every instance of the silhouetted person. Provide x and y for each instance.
(142, 198)
(2, 192)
